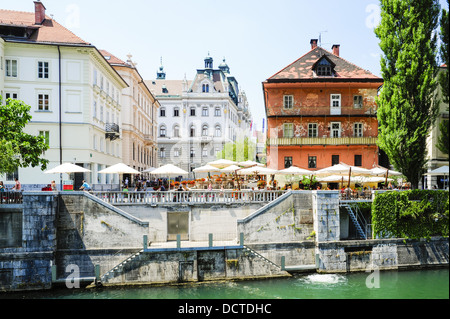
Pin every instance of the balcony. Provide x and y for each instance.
(112, 131)
(310, 141)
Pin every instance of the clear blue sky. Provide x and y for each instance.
(257, 37)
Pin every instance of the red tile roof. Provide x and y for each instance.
(302, 69)
(112, 59)
(49, 31)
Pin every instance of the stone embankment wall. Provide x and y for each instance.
(301, 228)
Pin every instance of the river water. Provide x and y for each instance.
(420, 284)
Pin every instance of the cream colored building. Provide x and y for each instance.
(139, 116)
(436, 158)
(74, 94)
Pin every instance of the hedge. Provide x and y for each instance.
(411, 214)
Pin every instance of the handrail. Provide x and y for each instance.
(11, 197)
(188, 197)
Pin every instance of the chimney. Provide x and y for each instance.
(39, 12)
(335, 49)
(313, 44)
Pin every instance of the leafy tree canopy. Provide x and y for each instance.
(17, 148)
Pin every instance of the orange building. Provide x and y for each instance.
(321, 111)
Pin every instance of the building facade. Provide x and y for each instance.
(138, 116)
(197, 118)
(74, 94)
(435, 157)
(321, 111)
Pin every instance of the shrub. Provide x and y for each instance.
(411, 214)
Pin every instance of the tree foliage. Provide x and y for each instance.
(406, 105)
(239, 151)
(411, 214)
(17, 148)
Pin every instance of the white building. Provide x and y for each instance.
(139, 116)
(73, 92)
(197, 118)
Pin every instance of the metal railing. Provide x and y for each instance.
(11, 198)
(189, 197)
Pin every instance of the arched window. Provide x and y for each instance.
(162, 131)
(205, 130)
(218, 131)
(205, 88)
(176, 131)
(192, 131)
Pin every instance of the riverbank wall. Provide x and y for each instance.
(59, 238)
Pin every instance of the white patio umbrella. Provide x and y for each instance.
(207, 169)
(119, 169)
(67, 168)
(230, 169)
(332, 179)
(222, 163)
(250, 164)
(441, 171)
(343, 170)
(169, 170)
(293, 170)
(257, 171)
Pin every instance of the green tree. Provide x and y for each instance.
(406, 107)
(443, 141)
(239, 151)
(18, 149)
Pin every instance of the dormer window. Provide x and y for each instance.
(324, 67)
(205, 88)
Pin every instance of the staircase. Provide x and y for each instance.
(355, 221)
(253, 253)
(119, 267)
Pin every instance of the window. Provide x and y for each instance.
(287, 161)
(43, 102)
(205, 152)
(162, 112)
(205, 111)
(335, 100)
(94, 109)
(176, 131)
(336, 129)
(217, 112)
(312, 162)
(218, 131)
(192, 152)
(11, 68)
(357, 101)
(46, 135)
(43, 70)
(176, 112)
(8, 95)
(205, 88)
(288, 102)
(358, 160)
(323, 70)
(162, 152)
(192, 111)
(358, 130)
(176, 152)
(162, 131)
(288, 130)
(205, 130)
(192, 131)
(334, 160)
(312, 130)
